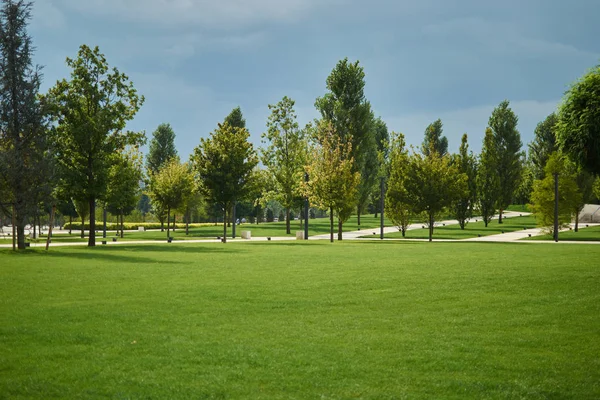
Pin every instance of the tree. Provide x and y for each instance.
(542, 198)
(382, 138)
(523, 193)
(578, 127)
(224, 166)
(466, 164)
(432, 183)
(67, 209)
(332, 182)
(172, 186)
(507, 141)
(285, 154)
(143, 205)
(543, 145)
(396, 196)
(91, 111)
(346, 107)
(24, 162)
(596, 187)
(162, 150)
(585, 185)
(434, 139)
(83, 210)
(125, 175)
(488, 183)
(235, 119)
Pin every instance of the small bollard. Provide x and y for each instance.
(104, 242)
(114, 239)
(169, 240)
(443, 224)
(529, 234)
(268, 237)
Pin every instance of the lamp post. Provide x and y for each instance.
(556, 206)
(306, 210)
(382, 204)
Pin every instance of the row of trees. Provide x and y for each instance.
(70, 148)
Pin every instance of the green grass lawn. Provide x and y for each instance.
(302, 320)
(584, 235)
(518, 208)
(472, 229)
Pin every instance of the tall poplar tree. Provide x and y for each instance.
(543, 144)
(347, 109)
(467, 164)
(162, 150)
(507, 140)
(488, 183)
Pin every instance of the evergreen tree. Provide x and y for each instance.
(235, 118)
(25, 165)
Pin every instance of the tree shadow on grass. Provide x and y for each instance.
(122, 253)
(194, 248)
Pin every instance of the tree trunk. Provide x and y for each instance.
(225, 225)
(485, 221)
(340, 229)
(20, 236)
(576, 222)
(403, 232)
(331, 224)
(288, 230)
(70, 223)
(174, 221)
(358, 215)
(92, 237)
(168, 221)
(82, 227)
(122, 227)
(430, 227)
(34, 228)
(500, 217)
(162, 224)
(187, 224)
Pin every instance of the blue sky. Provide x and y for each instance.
(194, 60)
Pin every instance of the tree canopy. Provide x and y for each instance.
(507, 140)
(332, 182)
(224, 165)
(578, 127)
(285, 154)
(91, 111)
(434, 139)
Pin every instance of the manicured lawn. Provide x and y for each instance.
(472, 229)
(584, 235)
(303, 320)
(518, 208)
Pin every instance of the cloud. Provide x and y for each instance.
(472, 121)
(224, 14)
(46, 15)
(501, 38)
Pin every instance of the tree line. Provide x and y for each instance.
(70, 149)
